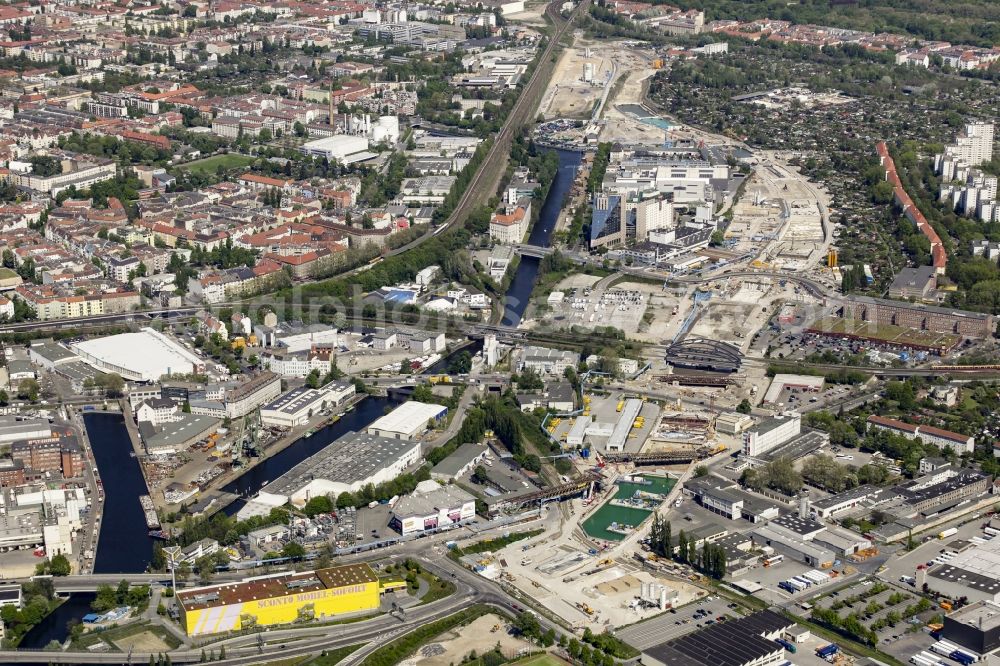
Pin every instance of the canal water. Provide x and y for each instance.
(125, 545)
(443, 366)
(55, 625)
(519, 293)
(598, 523)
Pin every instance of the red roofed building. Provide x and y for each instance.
(306, 265)
(149, 139)
(257, 182)
(945, 439)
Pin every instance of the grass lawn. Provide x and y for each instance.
(141, 632)
(335, 656)
(209, 165)
(541, 660)
(439, 588)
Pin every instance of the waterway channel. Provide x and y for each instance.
(519, 292)
(55, 625)
(125, 545)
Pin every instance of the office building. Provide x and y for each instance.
(918, 316)
(60, 453)
(771, 434)
(252, 393)
(607, 224)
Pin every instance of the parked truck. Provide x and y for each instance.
(798, 585)
(950, 532)
(785, 644)
(827, 651)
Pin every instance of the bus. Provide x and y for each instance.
(774, 559)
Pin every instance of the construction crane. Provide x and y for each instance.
(246, 444)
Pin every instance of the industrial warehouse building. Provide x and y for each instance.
(975, 627)
(347, 464)
(296, 407)
(13, 428)
(143, 356)
(463, 460)
(408, 420)
(744, 641)
(336, 147)
(272, 600)
(973, 574)
(178, 435)
(437, 507)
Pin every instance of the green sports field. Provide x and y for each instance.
(209, 165)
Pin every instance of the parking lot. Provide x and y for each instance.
(677, 622)
(892, 611)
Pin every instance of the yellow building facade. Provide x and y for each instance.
(274, 600)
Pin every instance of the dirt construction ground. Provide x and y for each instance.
(451, 647)
(146, 641)
(569, 95)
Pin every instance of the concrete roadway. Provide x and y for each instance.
(470, 589)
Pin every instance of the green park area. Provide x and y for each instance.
(210, 165)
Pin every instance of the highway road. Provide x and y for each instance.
(470, 589)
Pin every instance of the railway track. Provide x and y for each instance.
(484, 181)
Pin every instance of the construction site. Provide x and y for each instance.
(781, 220)
(579, 81)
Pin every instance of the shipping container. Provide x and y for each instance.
(816, 576)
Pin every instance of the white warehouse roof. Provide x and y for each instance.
(801, 382)
(143, 356)
(337, 146)
(408, 419)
